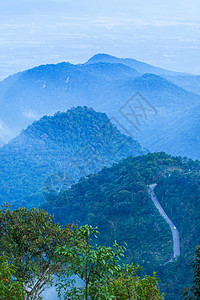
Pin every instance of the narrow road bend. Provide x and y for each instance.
(174, 230)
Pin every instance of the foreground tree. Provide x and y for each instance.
(29, 239)
(10, 288)
(102, 273)
(194, 292)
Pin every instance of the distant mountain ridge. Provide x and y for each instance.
(107, 84)
(185, 137)
(141, 67)
(46, 89)
(55, 152)
(186, 81)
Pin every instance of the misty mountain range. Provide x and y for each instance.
(166, 100)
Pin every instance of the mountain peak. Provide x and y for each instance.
(66, 146)
(101, 55)
(139, 66)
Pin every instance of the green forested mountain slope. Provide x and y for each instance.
(56, 151)
(117, 201)
(179, 195)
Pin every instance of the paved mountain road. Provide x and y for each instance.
(174, 230)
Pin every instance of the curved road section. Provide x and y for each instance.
(175, 233)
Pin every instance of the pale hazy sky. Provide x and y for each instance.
(165, 33)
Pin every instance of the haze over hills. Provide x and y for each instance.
(55, 152)
(116, 200)
(141, 67)
(178, 134)
(107, 84)
(49, 88)
(186, 81)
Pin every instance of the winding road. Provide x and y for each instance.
(174, 230)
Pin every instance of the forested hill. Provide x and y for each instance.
(153, 107)
(116, 200)
(56, 151)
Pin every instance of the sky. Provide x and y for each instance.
(164, 33)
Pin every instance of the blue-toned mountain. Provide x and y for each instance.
(55, 152)
(107, 84)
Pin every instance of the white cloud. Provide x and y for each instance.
(31, 115)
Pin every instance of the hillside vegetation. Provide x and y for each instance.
(116, 200)
(57, 151)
